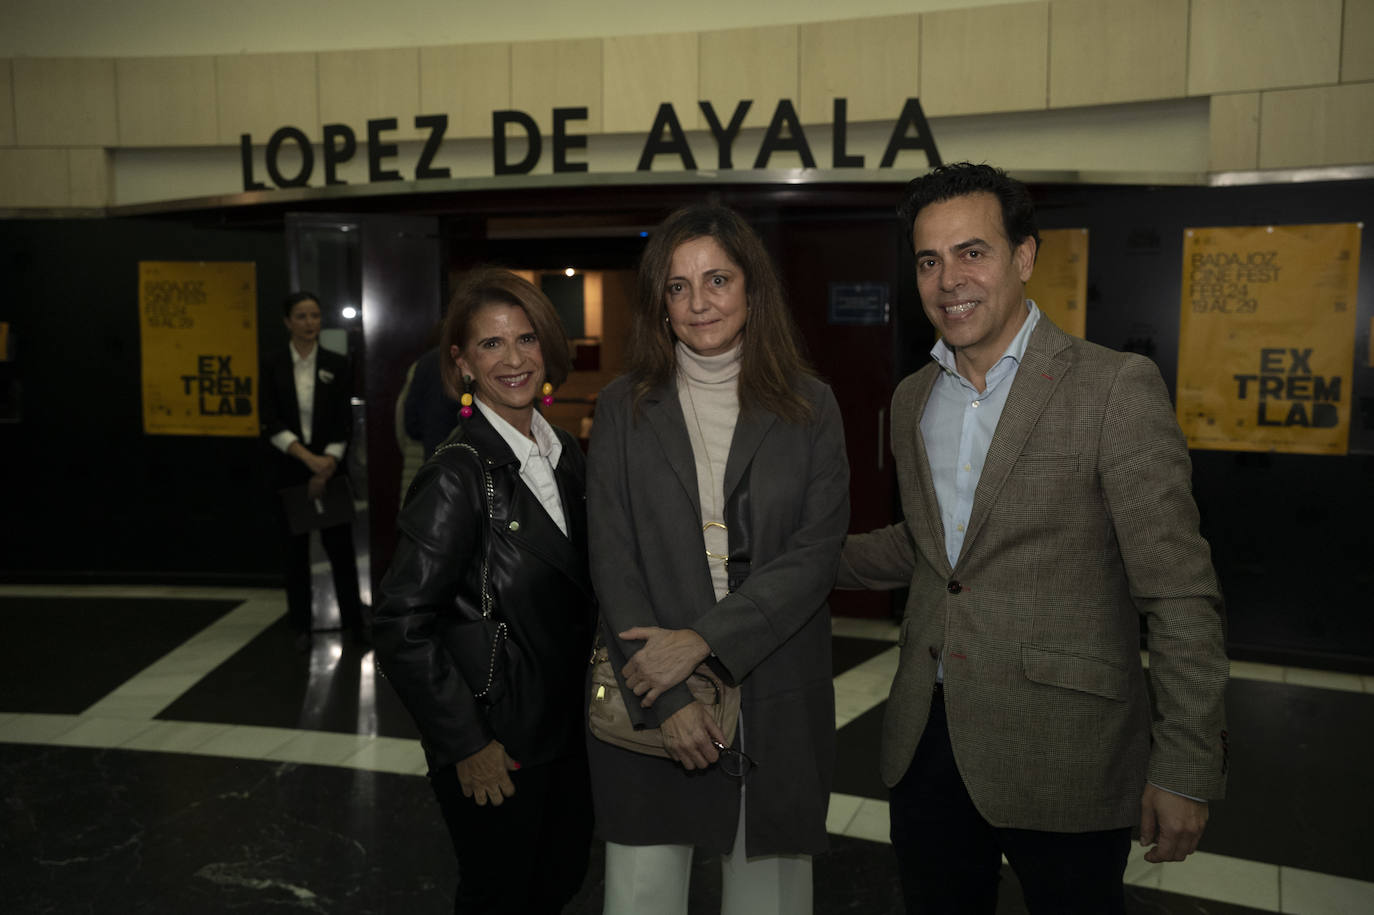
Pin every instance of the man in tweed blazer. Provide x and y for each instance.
(1046, 490)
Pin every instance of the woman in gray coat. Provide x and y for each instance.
(718, 443)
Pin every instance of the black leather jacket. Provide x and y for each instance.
(538, 580)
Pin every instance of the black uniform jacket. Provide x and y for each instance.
(331, 414)
(536, 576)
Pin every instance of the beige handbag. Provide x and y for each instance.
(610, 720)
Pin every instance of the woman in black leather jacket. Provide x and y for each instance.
(487, 615)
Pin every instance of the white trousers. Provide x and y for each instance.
(653, 880)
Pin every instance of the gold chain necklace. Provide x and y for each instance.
(710, 468)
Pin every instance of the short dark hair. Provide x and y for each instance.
(493, 286)
(772, 359)
(295, 298)
(959, 179)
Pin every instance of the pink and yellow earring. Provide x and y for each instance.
(547, 391)
(466, 410)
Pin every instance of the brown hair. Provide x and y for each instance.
(490, 286)
(772, 360)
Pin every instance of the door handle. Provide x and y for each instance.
(882, 417)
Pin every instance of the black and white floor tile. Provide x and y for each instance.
(168, 750)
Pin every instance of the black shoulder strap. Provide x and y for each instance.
(737, 522)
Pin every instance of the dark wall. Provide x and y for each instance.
(1290, 533)
(85, 493)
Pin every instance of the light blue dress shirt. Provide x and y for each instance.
(958, 425)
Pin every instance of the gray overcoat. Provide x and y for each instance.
(772, 634)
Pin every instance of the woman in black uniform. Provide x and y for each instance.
(305, 406)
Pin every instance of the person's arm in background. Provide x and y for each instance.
(412, 400)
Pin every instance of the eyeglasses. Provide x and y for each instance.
(734, 763)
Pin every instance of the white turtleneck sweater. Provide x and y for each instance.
(708, 389)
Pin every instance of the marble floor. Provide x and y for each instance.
(168, 750)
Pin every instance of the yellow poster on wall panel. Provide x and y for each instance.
(1267, 337)
(1059, 284)
(199, 334)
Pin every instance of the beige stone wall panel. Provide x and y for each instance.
(1110, 51)
(1242, 45)
(65, 102)
(466, 82)
(644, 71)
(1233, 132)
(89, 171)
(1357, 41)
(6, 103)
(873, 63)
(166, 101)
(1331, 125)
(758, 64)
(258, 93)
(557, 74)
(359, 86)
(986, 59)
(34, 178)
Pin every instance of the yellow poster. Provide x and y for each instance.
(1059, 284)
(198, 327)
(1267, 337)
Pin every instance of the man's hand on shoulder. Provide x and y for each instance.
(1170, 822)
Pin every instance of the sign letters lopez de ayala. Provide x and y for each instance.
(1267, 337)
(199, 336)
(665, 140)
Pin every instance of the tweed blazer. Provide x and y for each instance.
(1083, 522)
(772, 634)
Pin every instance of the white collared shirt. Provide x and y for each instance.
(303, 367)
(538, 457)
(303, 370)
